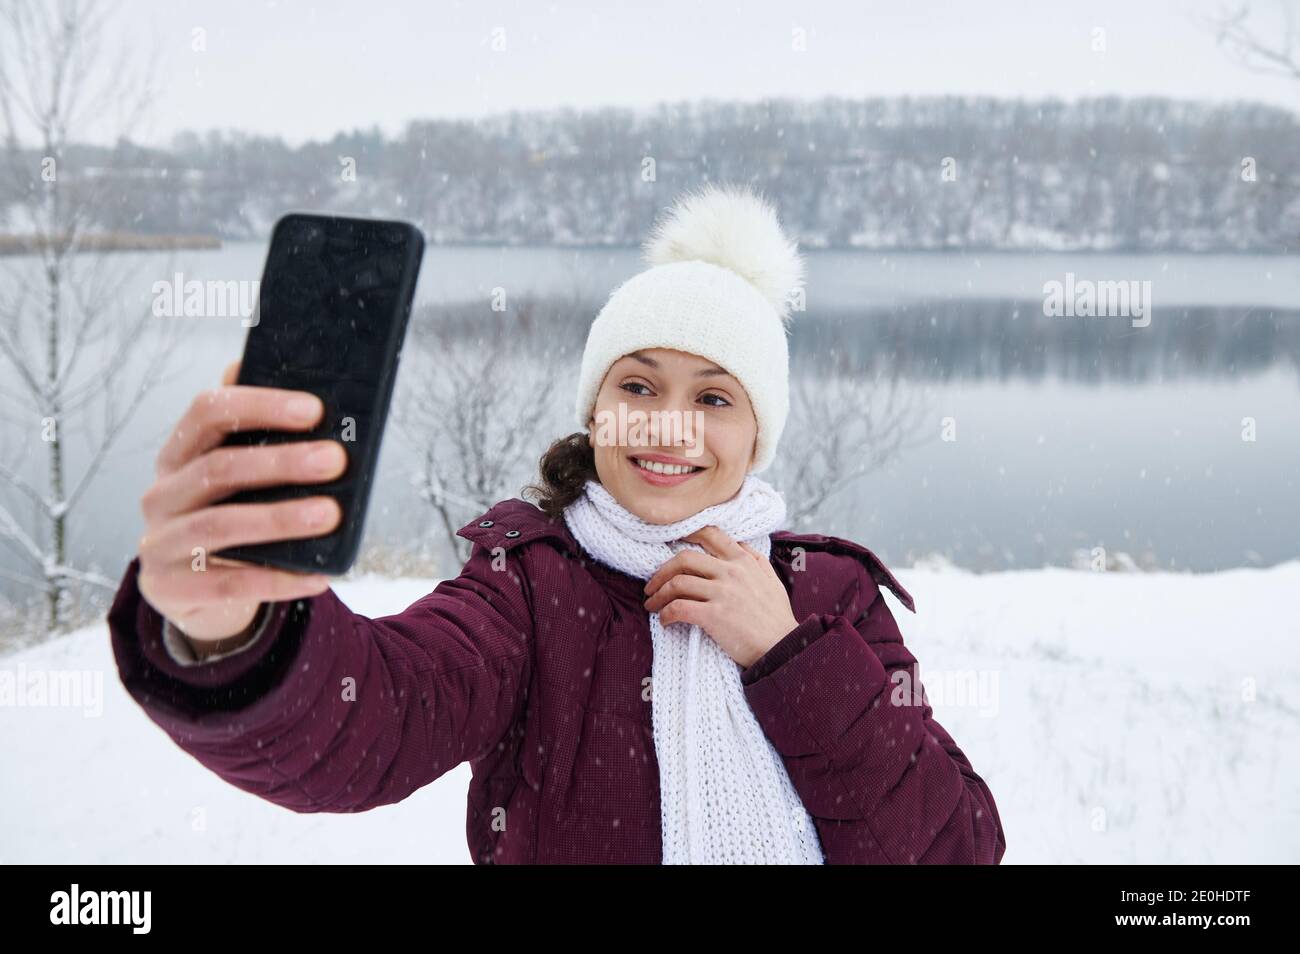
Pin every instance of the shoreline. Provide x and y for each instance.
(111, 242)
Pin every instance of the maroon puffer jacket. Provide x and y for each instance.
(534, 665)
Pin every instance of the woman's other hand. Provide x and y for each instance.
(730, 591)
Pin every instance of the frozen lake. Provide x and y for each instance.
(1072, 433)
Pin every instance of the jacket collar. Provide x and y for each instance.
(510, 523)
(786, 541)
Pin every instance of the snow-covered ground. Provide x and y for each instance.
(1117, 717)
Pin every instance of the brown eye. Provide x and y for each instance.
(632, 384)
(725, 402)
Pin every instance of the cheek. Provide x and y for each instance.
(731, 445)
(607, 458)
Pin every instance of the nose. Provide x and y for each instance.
(677, 428)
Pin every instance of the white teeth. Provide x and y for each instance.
(670, 469)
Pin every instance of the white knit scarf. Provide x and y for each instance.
(725, 796)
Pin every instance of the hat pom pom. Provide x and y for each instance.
(737, 229)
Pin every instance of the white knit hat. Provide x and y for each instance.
(721, 276)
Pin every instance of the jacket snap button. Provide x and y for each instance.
(485, 523)
(512, 533)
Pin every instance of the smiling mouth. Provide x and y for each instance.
(661, 474)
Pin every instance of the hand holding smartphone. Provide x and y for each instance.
(212, 600)
(268, 475)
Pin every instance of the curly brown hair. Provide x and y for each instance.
(565, 469)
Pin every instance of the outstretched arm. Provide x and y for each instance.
(332, 711)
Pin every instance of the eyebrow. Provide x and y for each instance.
(702, 373)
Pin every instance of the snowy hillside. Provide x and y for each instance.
(1120, 717)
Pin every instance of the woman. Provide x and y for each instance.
(645, 669)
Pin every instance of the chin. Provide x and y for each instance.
(668, 514)
(671, 505)
(656, 506)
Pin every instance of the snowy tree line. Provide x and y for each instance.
(945, 172)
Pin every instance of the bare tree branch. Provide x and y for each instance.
(58, 82)
(477, 414)
(841, 428)
(1259, 48)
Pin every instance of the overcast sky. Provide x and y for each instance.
(306, 70)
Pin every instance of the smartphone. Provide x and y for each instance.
(332, 311)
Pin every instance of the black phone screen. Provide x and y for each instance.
(333, 307)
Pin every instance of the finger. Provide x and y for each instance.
(751, 551)
(716, 541)
(685, 611)
(216, 412)
(685, 561)
(231, 374)
(680, 587)
(236, 524)
(239, 585)
(223, 470)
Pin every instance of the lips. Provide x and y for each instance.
(664, 471)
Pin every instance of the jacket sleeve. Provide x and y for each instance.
(883, 781)
(330, 711)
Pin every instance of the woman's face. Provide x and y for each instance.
(704, 420)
